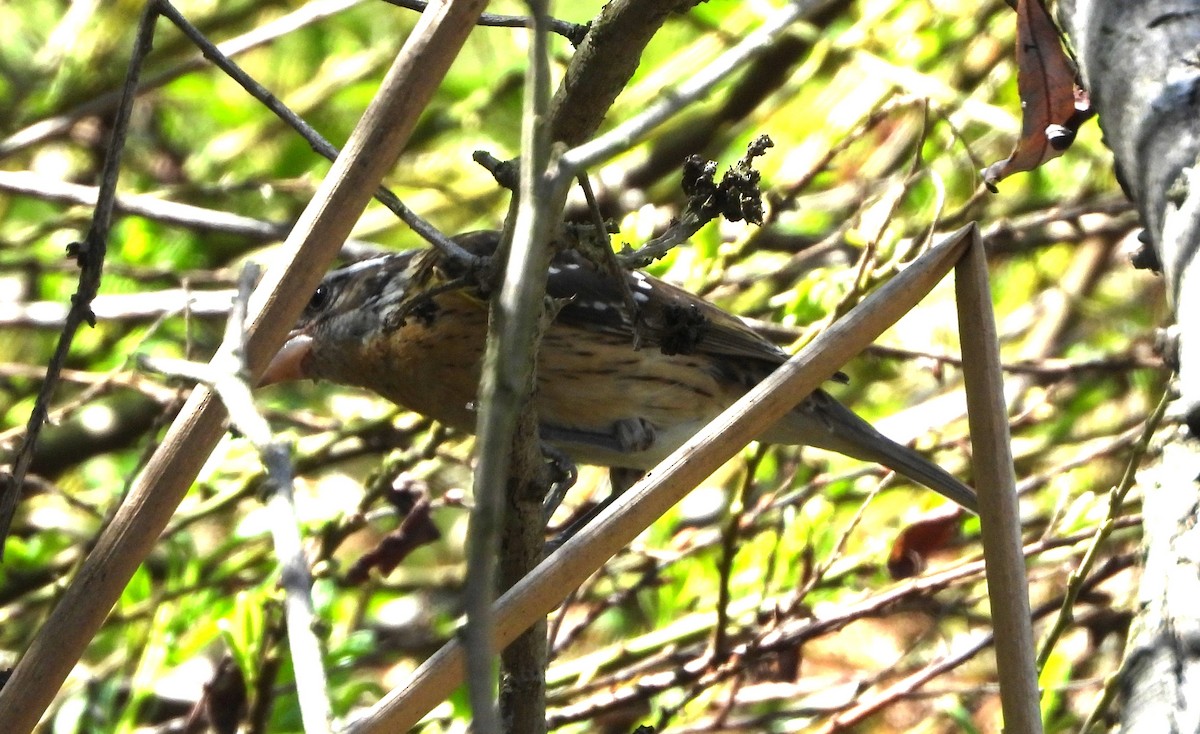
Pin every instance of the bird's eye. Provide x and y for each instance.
(320, 298)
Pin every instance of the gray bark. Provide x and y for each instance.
(1141, 64)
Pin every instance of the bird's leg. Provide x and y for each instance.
(563, 475)
(620, 479)
(629, 436)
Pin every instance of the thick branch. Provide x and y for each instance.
(1140, 64)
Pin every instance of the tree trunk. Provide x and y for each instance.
(1141, 64)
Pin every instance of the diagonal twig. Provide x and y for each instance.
(90, 256)
(319, 144)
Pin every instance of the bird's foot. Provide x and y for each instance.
(563, 474)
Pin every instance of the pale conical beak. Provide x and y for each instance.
(288, 364)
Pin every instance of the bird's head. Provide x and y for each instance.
(348, 311)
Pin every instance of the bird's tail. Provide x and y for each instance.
(823, 422)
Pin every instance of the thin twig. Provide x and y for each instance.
(228, 376)
(90, 256)
(508, 445)
(120, 307)
(197, 218)
(688, 92)
(573, 32)
(1116, 500)
(319, 144)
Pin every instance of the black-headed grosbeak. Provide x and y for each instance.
(393, 325)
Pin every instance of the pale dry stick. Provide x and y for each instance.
(28, 183)
(629, 515)
(114, 307)
(227, 376)
(999, 516)
(324, 224)
(118, 377)
(186, 216)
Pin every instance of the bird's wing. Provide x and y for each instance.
(661, 316)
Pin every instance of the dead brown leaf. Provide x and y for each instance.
(1052, 105)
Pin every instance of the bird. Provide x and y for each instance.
(626, 372)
